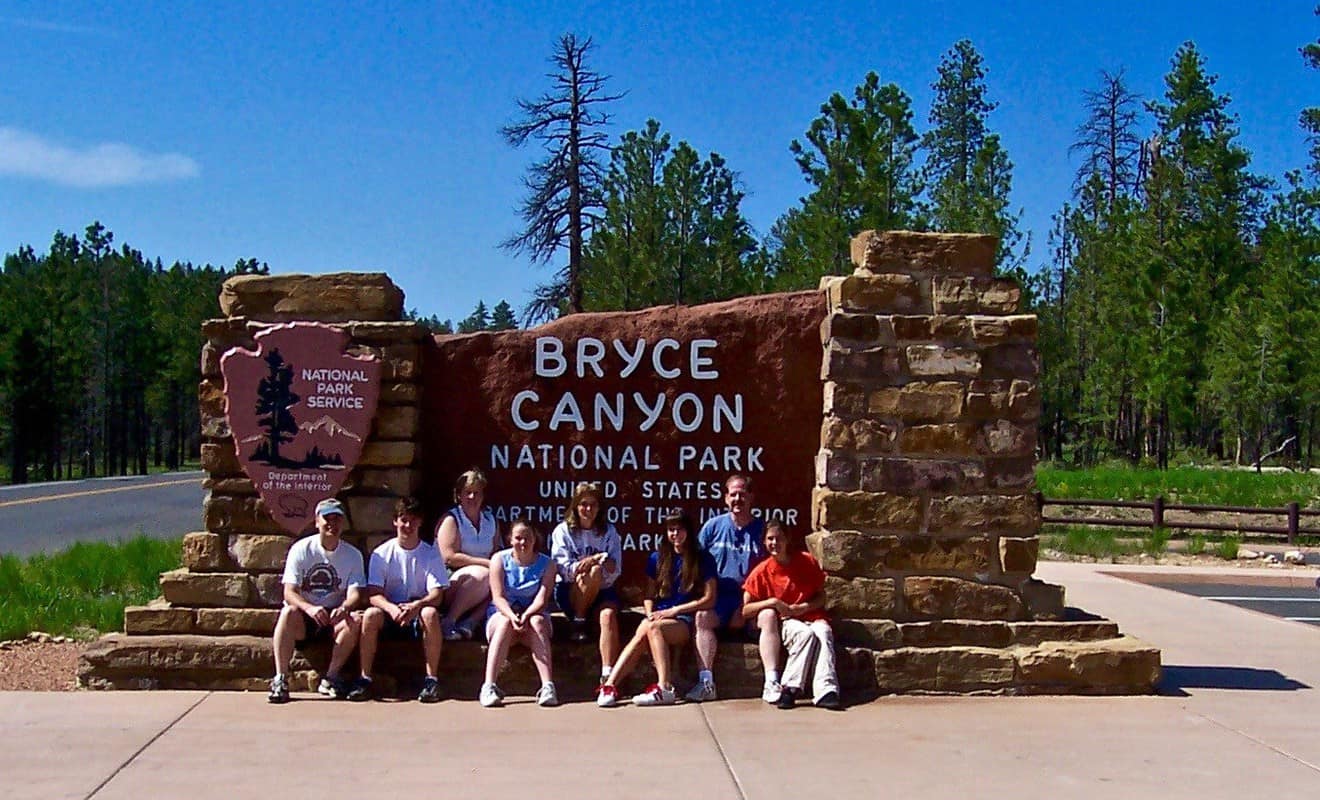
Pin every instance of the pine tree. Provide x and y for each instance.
(478, 320)
(502, 317)
(564, 188)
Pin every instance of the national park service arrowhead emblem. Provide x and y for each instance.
(300, 409)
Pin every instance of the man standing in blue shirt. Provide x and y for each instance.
(733, 540)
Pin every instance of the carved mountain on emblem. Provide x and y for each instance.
(330, 427)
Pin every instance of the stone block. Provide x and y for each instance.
(974, 669)
(1011, 473)
(1024, 401)
(335, 297)
(237, 621)
(937, 361)
(863, 328)
(396, 423)
(388, 454)
(259, 553)
(975, 296)
(905, 670)
(211, 399)
(987, 331)
(1025, 633)
(877, 294)
(925, 554)
(947, 633)
(1044, 601)
(876, 634)
(210, 361)
(946, 440)
(1006, 513)
(220, 460)
(371, 514)
(873, 436)
(860, 598)
(205, 552)
(268, 589)
(836, 434)
(928, 328)
(938, 401)
(1018, 555)
(399, 393)
(225, 333)
(1109, 666)
(844, 401)
(153, 620)
(399, 481)
(911, 251)
(183, 588)
(232, 513)
(1004, 438)
(920, 476)
(865, 510)
(877, 366)
(837, 472)
(1010, 361)
(954, 598)
(384, 333)
(239, 486)
(398, 362)
(851, 553)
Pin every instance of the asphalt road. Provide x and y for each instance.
(1296, 603)
(51, 516)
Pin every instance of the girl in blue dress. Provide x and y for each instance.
(521, 580)
(681, 582)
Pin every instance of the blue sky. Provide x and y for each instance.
(323, 137)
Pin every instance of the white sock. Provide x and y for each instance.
(772, 676)
(605, 671)
(706, 676)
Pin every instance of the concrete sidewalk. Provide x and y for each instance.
(1241, 718)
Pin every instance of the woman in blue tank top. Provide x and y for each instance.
(467, 536)
(521, 580)
(681, 582)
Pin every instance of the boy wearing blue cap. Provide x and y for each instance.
(323, 579)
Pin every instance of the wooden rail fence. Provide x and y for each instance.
(1292, 513)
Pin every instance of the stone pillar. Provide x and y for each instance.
(924, 507)
(230, 581)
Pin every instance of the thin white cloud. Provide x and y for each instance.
(28, 155)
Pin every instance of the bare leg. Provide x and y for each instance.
(585, 588)
(470, 588)
(707, 641)
(633, 651)
(662, 635)
(500, 635)
(432, 639)
(768, 622)
(538, 639)
(373, 619)
(609, 635)
(346, 638)
(288, 629)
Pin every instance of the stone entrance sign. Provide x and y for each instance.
(658, 406)
(300, 409)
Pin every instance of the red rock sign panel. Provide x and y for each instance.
(658, 406)
(300, 409)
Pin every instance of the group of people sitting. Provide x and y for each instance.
(737, 577)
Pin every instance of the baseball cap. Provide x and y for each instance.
(330, 506)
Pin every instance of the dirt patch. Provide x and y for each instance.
(40, 666)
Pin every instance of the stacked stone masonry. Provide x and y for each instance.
(924, 506)
(922, 513)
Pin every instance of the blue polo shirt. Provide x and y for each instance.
(735, 550)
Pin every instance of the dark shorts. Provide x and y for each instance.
(312, 632)
(727, 604)
(606, 597)
(408, 632)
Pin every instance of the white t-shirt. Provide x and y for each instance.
(323, 576)
(406, 574)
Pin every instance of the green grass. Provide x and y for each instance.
(82, 589)
(1227, 548)
(1192, 485)
(1155, 542)
(1195, 544)
(1100, 543)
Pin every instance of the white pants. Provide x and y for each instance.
(810, 647)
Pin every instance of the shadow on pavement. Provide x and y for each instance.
(1178, 677)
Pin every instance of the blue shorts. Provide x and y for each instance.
(409, 631)
(728, 601)
(606, 597)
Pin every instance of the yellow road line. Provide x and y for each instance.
(95, 491)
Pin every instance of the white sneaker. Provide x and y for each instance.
(771, 692)
(703, 691)
(656, 695)
(547, 696)
(607, 696)
(491, 695)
